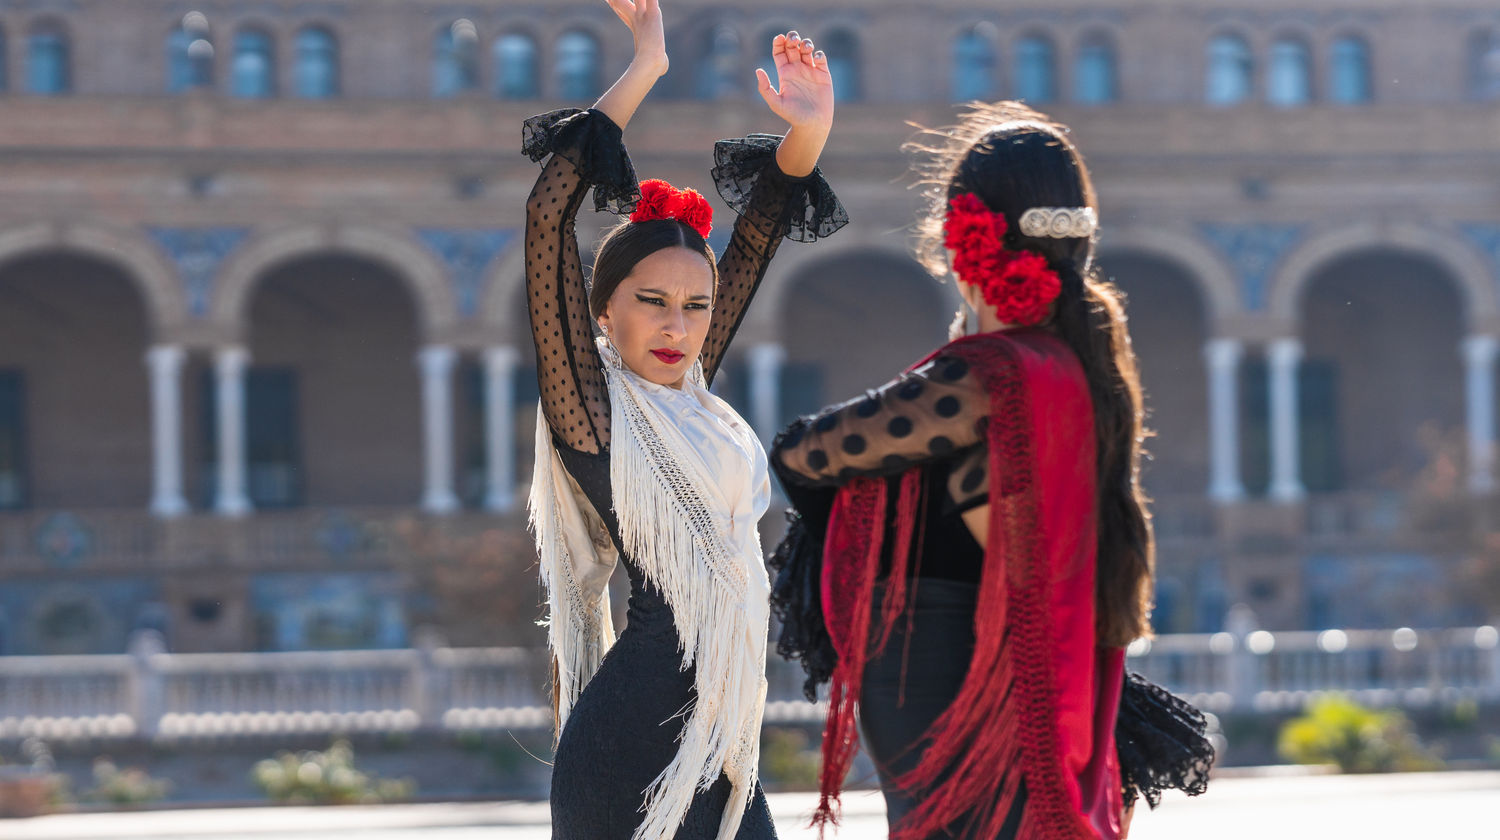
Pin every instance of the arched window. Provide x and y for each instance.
(48, 60)
(975, 64)
(1484, 66)
(455, 59)
(1036, 70)
(842, 48)
(1349, 71)
(515, 57)
(190, 56)
(1289, 74)
(317, 63)
(1094, 80)
(577, 66)
(253, 70)
(719, 75)
(1231, 70)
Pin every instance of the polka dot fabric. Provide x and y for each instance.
(575, 398)
(935, 412)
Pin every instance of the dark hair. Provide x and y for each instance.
(629, 243)
(1014, 158)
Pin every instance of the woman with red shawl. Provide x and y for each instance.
(971, 550)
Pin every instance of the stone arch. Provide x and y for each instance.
(503, 311)
(150, 272)
(1464, 266)
(422, 274)
(1213, 277)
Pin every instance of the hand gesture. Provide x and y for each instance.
(806, 95)
(644, 19)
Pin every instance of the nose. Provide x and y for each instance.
(675, 325)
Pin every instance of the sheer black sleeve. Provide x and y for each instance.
(925, 414)
(771, 205)
(582, 149)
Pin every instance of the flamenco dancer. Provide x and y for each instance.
(973, 551)
(659, 730)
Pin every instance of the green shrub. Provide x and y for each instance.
(1337, 730)
(789, 759)
(327, 777)
(131, 786)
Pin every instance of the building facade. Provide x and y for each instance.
(266, 380)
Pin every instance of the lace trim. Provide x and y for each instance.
(595, 146)
(740, 163)
(1162, 741)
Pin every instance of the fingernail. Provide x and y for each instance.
(819, 54)
(793, 34)
(808, 43)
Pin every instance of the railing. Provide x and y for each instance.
(152, 694)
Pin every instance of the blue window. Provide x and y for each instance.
(190, 60)
(4, 81)
(975, 64)
(1230, 70)
(1484, 66)
(253, 71)
(719, 77)
(1036, 70)
(516, 67)
(48, 60)
(578, 71)
(1094, 72)
(273, 452)
(455, 60)
(12, 440)
(1349, 81)
(1289, 82)
(317, 75)
(843, 64)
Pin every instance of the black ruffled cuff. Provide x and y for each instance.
(812, 210)
(1162, 741)
(596, 147)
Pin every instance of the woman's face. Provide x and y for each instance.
(658, 316)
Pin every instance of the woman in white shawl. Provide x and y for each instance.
(637, 461)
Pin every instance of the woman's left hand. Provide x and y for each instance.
(806, 95)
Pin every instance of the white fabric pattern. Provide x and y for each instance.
(690, 483)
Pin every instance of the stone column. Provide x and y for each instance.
(1284, 355)
(500, 427)
(765, 361)
(229, 368)
(1223, 357)
(164, 363)
(1479, 379)
(436, 362)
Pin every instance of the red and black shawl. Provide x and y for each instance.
(1038, 705)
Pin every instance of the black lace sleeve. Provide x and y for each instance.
(592, 142)
(929, 413)
(1162, 741)
(586, 150)
(771, 206)
(796, 584)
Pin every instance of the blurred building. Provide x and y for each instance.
(265, 374)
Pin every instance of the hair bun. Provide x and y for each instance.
(661, 200)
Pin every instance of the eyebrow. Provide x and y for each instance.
(665, 294)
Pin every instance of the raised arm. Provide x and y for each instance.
(773, 184)
(582, 149)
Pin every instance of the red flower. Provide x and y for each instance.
(661, 200)
(1019, 284)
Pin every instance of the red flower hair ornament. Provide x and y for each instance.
(661, 200)
(1019, 284)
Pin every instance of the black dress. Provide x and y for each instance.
(623, 730)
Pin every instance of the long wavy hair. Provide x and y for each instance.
(1014, 158)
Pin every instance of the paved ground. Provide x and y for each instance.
(1451, 806)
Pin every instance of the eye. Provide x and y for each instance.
(654, 301)
(698, 306)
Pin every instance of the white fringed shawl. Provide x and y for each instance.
(689, 481)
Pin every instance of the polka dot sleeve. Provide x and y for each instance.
(771, 206)
(582, 149)
(927, 414)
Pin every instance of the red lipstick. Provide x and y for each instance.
(670, 357)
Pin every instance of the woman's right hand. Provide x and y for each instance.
(644, 19)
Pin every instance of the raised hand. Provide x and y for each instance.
(644, 19)
(806, 95)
